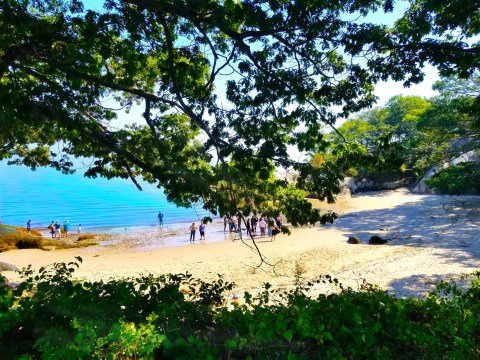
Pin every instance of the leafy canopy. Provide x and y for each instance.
(226, 88)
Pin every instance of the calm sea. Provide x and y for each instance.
(98, 204)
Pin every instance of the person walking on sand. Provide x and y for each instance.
(274, 230)
(254, 223)
(193, 230)
(66, 228)
(201, 229)
(79, 230)
(29, 226)
(160, 218)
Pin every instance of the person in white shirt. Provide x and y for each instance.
(263, 226)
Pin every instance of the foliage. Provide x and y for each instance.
(226, 87)
(51, 316)
(428, 132)
(390, 132)
(463, 178)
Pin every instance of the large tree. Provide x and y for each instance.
(226, 86)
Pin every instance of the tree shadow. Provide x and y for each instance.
(419, 285)
(436, 222)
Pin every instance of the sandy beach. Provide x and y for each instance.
(438, 238)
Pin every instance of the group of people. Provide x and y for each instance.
(266, 226)
(59, 230)
(193, 231)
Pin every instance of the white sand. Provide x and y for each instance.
(439, 239)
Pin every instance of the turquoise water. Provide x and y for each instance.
(98, 204)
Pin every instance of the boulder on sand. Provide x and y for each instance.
(377, 240)
(354, 240)
(7, 267)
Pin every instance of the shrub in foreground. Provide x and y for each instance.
(51, 316)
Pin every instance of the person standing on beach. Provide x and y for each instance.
(57, 227)
(249, 226)
(52, 228)
(263, 226)
(270, 222)
(225, 222)
(66, 228)
(29, 226)
(231, 223)
(160, 218)
(79, 230)
(274, 230)
(254, 223)
(201, 228)
(193, 230)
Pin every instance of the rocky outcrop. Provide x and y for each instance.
(362, 184)
(421, 187)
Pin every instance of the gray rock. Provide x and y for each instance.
(7, 267)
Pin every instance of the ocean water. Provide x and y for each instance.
(98, 204)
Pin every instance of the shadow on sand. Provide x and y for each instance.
(437, 222)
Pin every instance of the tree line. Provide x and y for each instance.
(422, 133)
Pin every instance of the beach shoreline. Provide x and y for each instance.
(438, 239)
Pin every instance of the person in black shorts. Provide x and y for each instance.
(201, 229)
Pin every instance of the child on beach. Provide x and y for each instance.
(79, 230)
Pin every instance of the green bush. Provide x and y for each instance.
(457, 180)
(50, 316)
